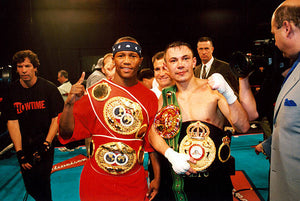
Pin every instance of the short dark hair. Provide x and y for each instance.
(126, 38)
(287, 13)
(158, 56)
(20, 56)
(145, 73)
(205, 38)
(64, 73)
(178, 44)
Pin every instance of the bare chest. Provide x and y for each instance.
(199, 106)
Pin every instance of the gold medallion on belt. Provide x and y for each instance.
(226, 147)
(198, 145)
(115, 157)
(123, 115)
(167, 121)
(101, 91)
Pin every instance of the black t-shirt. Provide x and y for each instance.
(34, 108)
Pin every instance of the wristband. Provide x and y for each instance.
(47, 145)
(21, 157)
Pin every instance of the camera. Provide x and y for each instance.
(5, 80)
(5, 75)
(263, 54)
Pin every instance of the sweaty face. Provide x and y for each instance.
(205, 51)
(161, 74)
(26, 71)
(109, 68)
(127, 64)
(180, 63)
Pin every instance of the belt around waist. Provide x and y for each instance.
(206, 143)
(116, 156)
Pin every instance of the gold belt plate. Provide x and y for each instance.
(101, 91)
(122, 115)
(167, 121)
(202, 150)
(198, 145)
(115, 157)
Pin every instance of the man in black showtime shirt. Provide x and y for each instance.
(32, 107)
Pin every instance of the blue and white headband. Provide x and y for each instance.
(127, 46)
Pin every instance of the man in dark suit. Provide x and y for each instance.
(212, 65)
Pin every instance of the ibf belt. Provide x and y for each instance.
(123, 115)
(200, 146)
(118, 110)
(117, 158)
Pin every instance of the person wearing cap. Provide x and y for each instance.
(117, 114)
(96, 74)
(103, 69)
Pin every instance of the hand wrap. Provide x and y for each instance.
(21, 157)
(178, 161)
(217, 81)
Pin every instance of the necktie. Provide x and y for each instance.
(204, 72)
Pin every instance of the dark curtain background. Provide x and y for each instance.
(73, 34)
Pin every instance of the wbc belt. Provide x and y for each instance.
(116, 156)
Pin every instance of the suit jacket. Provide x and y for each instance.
(223, 68)
(285, 149)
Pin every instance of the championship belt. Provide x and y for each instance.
(224, 150)
(101, 91)
(198, 145)
(119, 150)
(122, 115)
(118, 110)
(167, 121)
(115, 157)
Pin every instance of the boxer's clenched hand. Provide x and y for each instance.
(217, 81)
(179, 162)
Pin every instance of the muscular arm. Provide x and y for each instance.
(52, 130)
(236, 114)
(157, 142)
(15, 134)
(66, 122)
(228, 103)
(178, 161)
(247, 99)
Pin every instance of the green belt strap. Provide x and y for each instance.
(169, 98)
